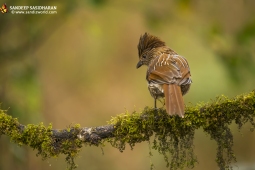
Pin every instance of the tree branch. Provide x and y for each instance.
(97, 134)
(172, 135)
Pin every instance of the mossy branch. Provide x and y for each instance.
(172, 136)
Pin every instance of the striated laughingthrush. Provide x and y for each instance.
(168, 73)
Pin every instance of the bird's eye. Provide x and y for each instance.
(144, 56)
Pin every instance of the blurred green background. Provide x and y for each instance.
(78, 66)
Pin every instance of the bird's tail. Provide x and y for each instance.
(173, 99)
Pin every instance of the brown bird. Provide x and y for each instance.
(168, 73)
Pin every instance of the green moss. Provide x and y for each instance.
(40, 137)
(172, 136)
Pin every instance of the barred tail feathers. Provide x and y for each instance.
(173, 99)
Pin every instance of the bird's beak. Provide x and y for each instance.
(139, 64)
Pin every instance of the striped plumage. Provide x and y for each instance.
(168, 73)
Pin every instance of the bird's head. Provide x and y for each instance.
(146, 48)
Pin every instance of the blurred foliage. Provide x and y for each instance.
(247, 34)
(97, 3)
(236, 52)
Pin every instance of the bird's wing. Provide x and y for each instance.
(168, 69)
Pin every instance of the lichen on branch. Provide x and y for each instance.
(171, 136)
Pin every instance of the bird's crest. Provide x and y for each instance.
(148, 41)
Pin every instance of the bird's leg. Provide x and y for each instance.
(155, 105)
